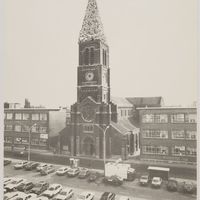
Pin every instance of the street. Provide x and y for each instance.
(132, 189)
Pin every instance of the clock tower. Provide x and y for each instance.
(91, 114)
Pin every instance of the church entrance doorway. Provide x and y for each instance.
(88, 146)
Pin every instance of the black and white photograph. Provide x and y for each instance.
(100, 100)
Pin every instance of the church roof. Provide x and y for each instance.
(92, 27)
(145, 101)
(121, 102)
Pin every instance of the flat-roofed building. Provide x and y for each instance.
(168, 133)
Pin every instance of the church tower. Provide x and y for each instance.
(91, 114)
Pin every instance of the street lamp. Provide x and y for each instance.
(104, 144)
(29, 147)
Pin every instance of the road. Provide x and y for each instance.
(131, 189)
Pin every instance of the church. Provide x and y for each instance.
(97, 127)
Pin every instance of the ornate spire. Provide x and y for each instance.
(92, 27)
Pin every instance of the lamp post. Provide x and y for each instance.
(29, 147)
(104, 143)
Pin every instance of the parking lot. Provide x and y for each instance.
(132, 189)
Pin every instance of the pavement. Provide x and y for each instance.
(131, 189)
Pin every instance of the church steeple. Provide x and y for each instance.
(92, 28)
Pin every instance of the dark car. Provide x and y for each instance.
(31, 166)
(40, 187)
(172, 185)
(7, 162)
(144, 180)
(113, 180)
(26, 186)
(108, 196)
(93, 177)
(83, 173)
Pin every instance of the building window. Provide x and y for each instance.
(92, 56)
(8, 139)
(35, 117)
(9, 116)
(161, 118)
(35, 141)
(148, 118)
(177, 118)
(155, 134)
(178, 134)
(86, 56)
(43, 129)
(18, 128)
(158, 150)
(88, 128)
(43, 142)
(178, 150)
(190, 151)
(43, 116)
(191, 118)
(18, 140)
(191, 135)
(25, 116)
(8, 127)
(25, 128)
(35, 129)
(18, 116)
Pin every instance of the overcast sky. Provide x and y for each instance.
(153, 49)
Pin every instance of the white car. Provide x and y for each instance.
(124, 198)
(62, 170)
(7, 180)
(156, 182)
(10, 195)
(86, 196)
(42, 198)
(41, 166)
(65, 194)
(24, 196)
(14, 183)
(52, 190)
(20, 164)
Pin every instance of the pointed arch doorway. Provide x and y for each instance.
(88, 146)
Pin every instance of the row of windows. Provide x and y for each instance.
(174, 118)
(25, 128)
(26, 116)
(88, 128)
(175, 134)
(23, 140)
(125, 112)
(175, 150)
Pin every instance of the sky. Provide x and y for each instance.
(153, 49)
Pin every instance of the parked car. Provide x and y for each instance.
(84, 172)
(24, 196)
(14, 183)
(7, 180)
(108, 196)
(113, 180)
(124, 198)
(41, 166)
(10, 195)
(62, 171)
(144, 180)
(189, 187)
(93, 176)
(42, 198)
(40, 187)
(156, 182)
(25, 186)
(73, 172)
(172, 185)
(86, 196)
(52, 190)
(31, 165)
(47, 170)
(20, 164)
(65, 194)
(7, 162)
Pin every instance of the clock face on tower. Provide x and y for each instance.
(88, 113)
(89, 76)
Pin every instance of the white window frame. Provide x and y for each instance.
(163, 150)
(9, 116)
(10, 127)
(18, 130)
(193, 150)
(175, 118)
(180, 152)
(155, 133)
(191, 118)
(191, 134)
(34, 118)
(43, 116)
(88, 128)
(174, 134)
(25, 116)
(18, 116)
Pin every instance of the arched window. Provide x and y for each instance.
(92, 56)
(86, 57)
